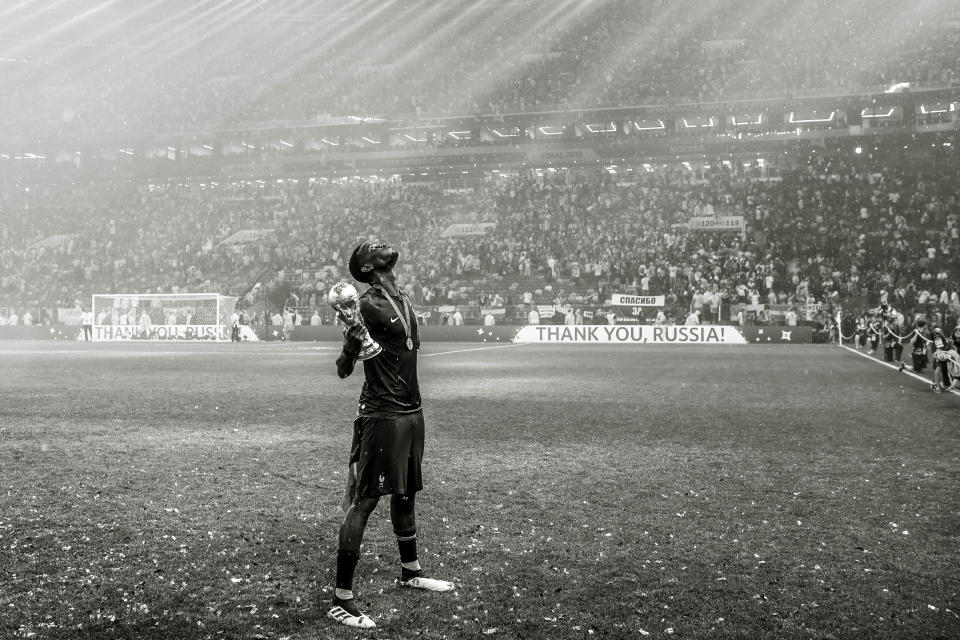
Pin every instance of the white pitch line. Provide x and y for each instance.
(499, 346)
(912, 374)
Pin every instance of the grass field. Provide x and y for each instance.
(192, 491)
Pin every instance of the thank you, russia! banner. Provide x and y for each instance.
(632, 334)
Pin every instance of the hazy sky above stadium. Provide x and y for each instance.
(68, 56)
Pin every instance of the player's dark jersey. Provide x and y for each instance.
(391, 387)
(939, 342)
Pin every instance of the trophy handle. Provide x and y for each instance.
(369, 348)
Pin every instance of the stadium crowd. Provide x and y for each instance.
(616, 53)
(827, 233)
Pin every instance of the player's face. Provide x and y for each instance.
(383, 256)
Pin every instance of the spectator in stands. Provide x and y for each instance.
(287, 322)
(790, 317)
(86, 324)
(533, 316)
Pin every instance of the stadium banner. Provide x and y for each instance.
(493, 311)
(462, 230)
(509, 333)
(809, 310)
(777, 334)
(716, 223)
(127, 332)
(546, 310)
(633, 334)
(624, 300)
(549, 155)
(778, 311)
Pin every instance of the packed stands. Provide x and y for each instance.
(831, 231)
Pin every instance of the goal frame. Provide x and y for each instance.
(115, 317)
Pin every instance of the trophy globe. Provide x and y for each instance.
(345, 300)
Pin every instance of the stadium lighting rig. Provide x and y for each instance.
(649, 125)
(746, 120)
(938, 107)
(698, 122)
(793, 118)
(878, 112)
(882, 114)
(550, 131)
(610, 127)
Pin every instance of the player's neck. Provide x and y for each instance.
(386, 281)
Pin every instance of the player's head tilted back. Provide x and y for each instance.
(371, 261)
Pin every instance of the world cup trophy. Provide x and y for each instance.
(345, 300)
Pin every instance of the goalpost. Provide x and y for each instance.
(162, 316)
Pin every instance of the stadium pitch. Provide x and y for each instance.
(192, 491)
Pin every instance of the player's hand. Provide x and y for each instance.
(356, 333)
(353, 337)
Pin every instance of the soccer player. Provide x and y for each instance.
(892, 347)
(941, 371)
(388, 432)
(919, 350)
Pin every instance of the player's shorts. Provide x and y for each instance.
(388, 453)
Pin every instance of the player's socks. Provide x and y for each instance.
(346, 565)
(408, 551)
(348, 614)
(411, 574)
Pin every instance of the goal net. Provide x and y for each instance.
(174, 316)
